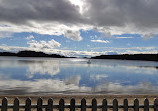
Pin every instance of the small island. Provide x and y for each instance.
(146, 57)
(31, 54)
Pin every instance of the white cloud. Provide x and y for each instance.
(106, 34)
(73, 35)
(108, 17)
(101, 41)
(30, 37)
(50, 28)
(4, 34)
(148, 36)
(43, 44)
(124, 37)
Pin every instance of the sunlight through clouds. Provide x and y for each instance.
(79, 21)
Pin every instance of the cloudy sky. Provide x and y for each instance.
(79, 27)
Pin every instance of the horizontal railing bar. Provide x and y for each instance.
(76, 106)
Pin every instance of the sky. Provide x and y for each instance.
(79, 27)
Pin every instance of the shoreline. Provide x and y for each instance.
(108, 58)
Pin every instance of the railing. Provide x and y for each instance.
(72, 106)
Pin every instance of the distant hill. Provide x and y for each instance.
(147, 57)
(7, 54)
(31, 54)
(37, 54)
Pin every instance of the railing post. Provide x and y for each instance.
(39, 104)
(83, 105)
(146, 104)
(28, 104)
(136, 105)
(4, 104)
(50, 105)
(115, 105)
(72, 105)
(104, 105)
(61, 105)
(125, 105)
(94, 105)
(156, 105)
(16, 105)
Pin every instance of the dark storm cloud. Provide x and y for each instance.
(106, 13)
(20, 11)
(142, 13)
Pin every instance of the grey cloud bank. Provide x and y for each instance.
(113, 16)
(21, 11)
(100, 12)
(142, 13)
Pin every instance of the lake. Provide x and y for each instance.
(74, 76)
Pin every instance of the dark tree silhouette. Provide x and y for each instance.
(31, 54)
(147, 57)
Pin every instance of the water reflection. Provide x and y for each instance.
(49, 86)
(36, 66)
(42, 67)
(98, 76)
(49, 76)
(117, 88)
(39, 86)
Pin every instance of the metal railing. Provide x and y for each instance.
(72, 105)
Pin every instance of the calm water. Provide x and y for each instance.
(66, 76)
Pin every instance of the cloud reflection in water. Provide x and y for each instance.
(19, 76)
